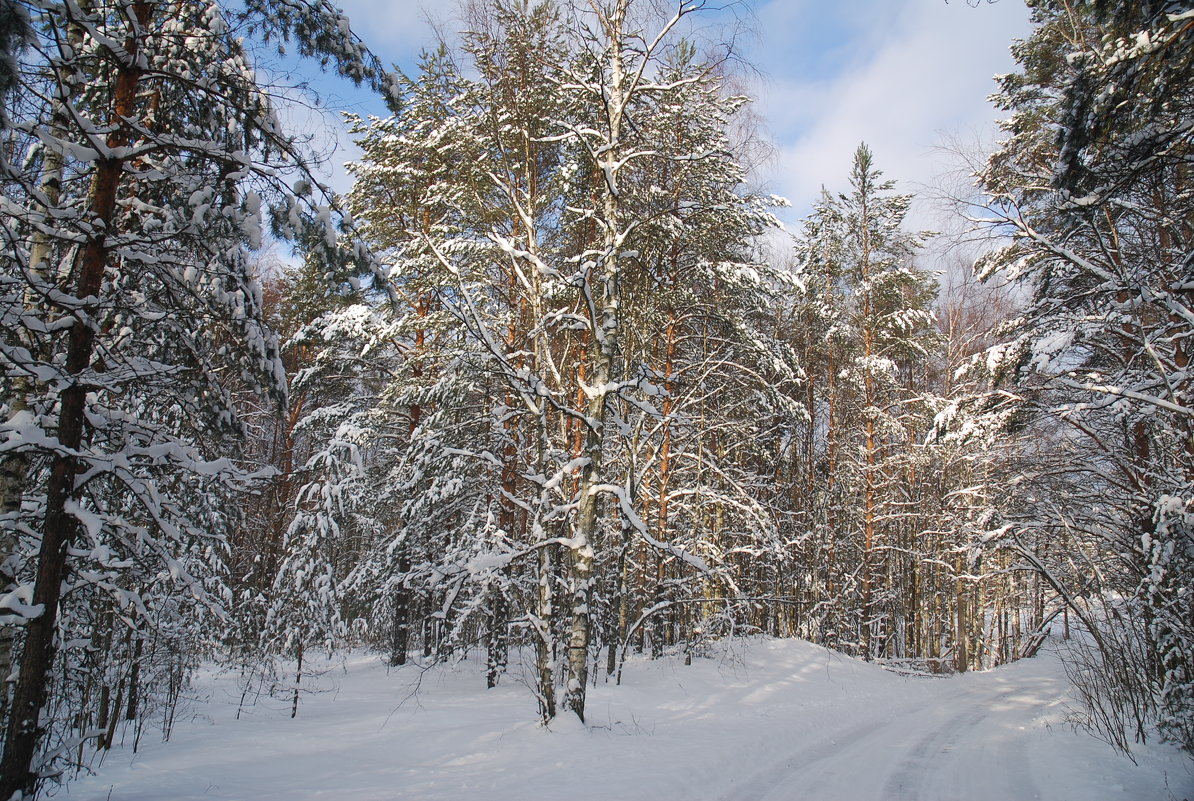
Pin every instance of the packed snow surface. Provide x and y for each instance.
(753, 719)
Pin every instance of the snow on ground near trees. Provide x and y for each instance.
(758, 719)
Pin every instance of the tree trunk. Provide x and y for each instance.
(499, 640)
(298, 682)
(400, 630)
(59, 527)
(962, 620)
(15, 466)
(135, 678)
(544, 650)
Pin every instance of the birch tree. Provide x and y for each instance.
(589, 164)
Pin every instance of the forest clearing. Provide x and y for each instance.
(517, 379)
(749, 720)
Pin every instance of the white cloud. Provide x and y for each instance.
(893, 74)
(904, 79)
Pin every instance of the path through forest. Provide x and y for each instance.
(969, 740)
(758, 720)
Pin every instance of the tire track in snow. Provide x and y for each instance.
(909, 781)
(992, 761)
(816, 767)
(913, 754)
(970, 755)
(761, 785)
(1013, 754)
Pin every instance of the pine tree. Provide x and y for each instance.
(541, 207)
(1093, 185)
(869, 306)
(145, 155)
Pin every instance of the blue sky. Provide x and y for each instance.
(902, 75)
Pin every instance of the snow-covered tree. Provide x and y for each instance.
(1092, 185)
(143, 156)
(564, 214)
(870, 328)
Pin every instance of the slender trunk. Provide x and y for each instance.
(580, 567)
(544, 643)
(109, 736)
(831, 434)
(617, 641)
(135, 678)
(428, 631)
(499, 642)
(14, 467)
(665, 447)
(400, 632)
(105, 701)
(298, 682)
(868, 560)
(544, 613)
(962, 620)
(30, 694)
(58, 530)
(604, 323)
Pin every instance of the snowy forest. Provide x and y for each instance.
(551, 386)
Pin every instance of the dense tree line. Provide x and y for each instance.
(1093, 186)
(581, 412)
(539, 390)
(141, 157)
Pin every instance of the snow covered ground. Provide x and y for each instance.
(760, 719)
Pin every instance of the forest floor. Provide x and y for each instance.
(753, 719)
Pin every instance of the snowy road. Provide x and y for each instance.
(973, 749)
(764, 720)
(994, 736)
